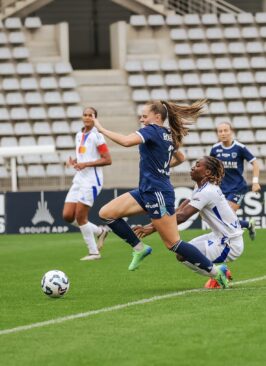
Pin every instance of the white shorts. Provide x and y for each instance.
(218, 250)
(85, 195)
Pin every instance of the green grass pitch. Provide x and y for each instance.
(217, 327)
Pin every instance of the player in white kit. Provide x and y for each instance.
(91, 154)
(225, 242)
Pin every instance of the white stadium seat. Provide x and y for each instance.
(155, 80)
(41, 128)
(214, 33)
(13, 23)
(15, 98)
(52, 97)
(24, 68)
(182, 49)
(236, 48)
(191, 79)
(245, 136)
(232, 33)
(60, 127)
(209, 78)
(54, 170)
(151, 65)
(33, 98)
(20, 53)
(255, 107)
(155, 20)
(138, 20)
(209, 19)
(173, 80)
(71, 97)
(232, 92)
(245, 18)
(74, 112)
(56, 113)
(227, 78)
(63, 141)
(44, 68)
(245, 77)
(236, 107)
(250, 32)
(173, 20)
(159, 93)
(227, 18)
(19, 113)
(48, 83)
(177, 94)
(240, 122)
(4, 114)
(178, 34)
(28, 84)
(23, 128)
(16, 38)
(240, 63)
(195, 93)
(140, 95)
(254, 47)
(6, 128)
(260, 18)
(27, 141)
(258, 121)
(169, 65)
(36, 171)
(192, 19)
(10, 84)
(7, 69)
(205, 63)
(37, 113)
(250, 92)
(214, 93)
(33, 23)
(63, 68)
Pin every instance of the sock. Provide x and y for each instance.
(192, 255)
(121, 228)
(97, 230)
(244, 223)
(89, 238)
(196, 269)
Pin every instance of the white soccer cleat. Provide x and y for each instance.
(102, 237)
(91, 257)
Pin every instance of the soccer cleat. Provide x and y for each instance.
(212, 283)
(138, 257)
(221, 276)
(102, 237)
(91, 257)
(252, 229)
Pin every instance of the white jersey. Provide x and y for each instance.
(215, 211)
(87, 151)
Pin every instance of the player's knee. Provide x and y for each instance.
(68, 217)
(104, 213)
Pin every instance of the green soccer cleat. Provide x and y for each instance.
(252, 229)
(138, 256)
(221, 276)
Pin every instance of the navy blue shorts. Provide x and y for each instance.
(157, 204)
(235, 197)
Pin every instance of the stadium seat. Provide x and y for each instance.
(27, 141)
(74, 112)
(50, 158)
(191, 79)
(232, 92)
(33, 23)
(240, 63)
(214, 33)
(255, 107)
(57, 112)
(37, 113)
(227, 18)
(173, 20)
(75, 126)
(159, 93)
(173, 80)
(44, 68)
(140, 95)
(10, 84)
(245, 77)
(254, 47)
(9, 141)
(62, 68)
(67, 82)
(260, 18)
(258, 62)
(186, 64)
(201, 49)
(6, 128)
(236, 48)
(208, 137)
(205, 63)
(16, 38)
(36, 170)
(46, 140)
(52, 97)
(155, 20)
(32, 159)
(263, 32)
(232, 33)
(250, 92)
(5, 54)
(138, 20)
(192, 19)
(71, 97)
(2, 100)
(209, 78)
(19, 114)
(214, 93)
(218, 108)
(218, 48)
(195, 34)
(250, 33)
(205, 123)
(7, 69)
(245, 18)
(13, 23)
(258, 122)
(223, 63)
(195, 94)
(23, 128)
(245, 136)
(155, 80)
(42, 128)
(14, 98)
(227, 78)
(3, 39)
(209, 19)
(33, 98)
(22, 171)
(260, 77)
(193, 138)
(183, 49)
(60, 127)
(240, 122)
(133, 66)
(54, 170)
(49, 83)
(262, 92)
(28, 84)
(177, 94)
(260, 135)
(24, 68)
(4, 114)
(20, 53)
(169, 65)
(236, 107)
(262, 149)
(64, 142)
(178, 34)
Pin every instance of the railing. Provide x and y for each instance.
(199, 6)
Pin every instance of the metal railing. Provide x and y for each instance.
(199, 6)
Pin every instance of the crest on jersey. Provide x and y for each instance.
(234, 155)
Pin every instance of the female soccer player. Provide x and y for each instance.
(155, 194)
(91, 154)
(225, 242)
(233, 154)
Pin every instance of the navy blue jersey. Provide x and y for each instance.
(233, 158)
(155, 155)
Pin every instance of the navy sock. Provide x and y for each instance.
(192, 255)
(121, 228)
(244, 223)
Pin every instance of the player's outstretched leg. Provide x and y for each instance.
(138, 256)
(252, 229)
(102, 236)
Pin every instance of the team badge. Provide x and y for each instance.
(234, 155)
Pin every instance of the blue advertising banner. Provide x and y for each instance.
(41, 212)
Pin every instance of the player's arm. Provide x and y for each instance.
(177, 158)
(256, 173)
(123, 140)
(105, 159)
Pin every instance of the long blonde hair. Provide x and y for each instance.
(180, 117)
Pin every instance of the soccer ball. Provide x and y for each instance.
(55, 283)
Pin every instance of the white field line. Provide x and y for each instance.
(117, 307)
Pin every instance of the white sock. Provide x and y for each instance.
(97, 230)
(139, 247)
(196, 269)
(89, 238)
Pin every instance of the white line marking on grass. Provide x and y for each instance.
(117, 307)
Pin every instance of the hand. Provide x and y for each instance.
(98, 125)
(142, 231)
(256, 187)
(70, 162)
(80, 166)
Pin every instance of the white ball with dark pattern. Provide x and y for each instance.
(55, 283)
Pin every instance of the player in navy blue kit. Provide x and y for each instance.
(233, 154)
(155, 194)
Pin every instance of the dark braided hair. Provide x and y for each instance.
(216, 168)
(180, 117)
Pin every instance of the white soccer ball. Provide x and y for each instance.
(55, 283)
